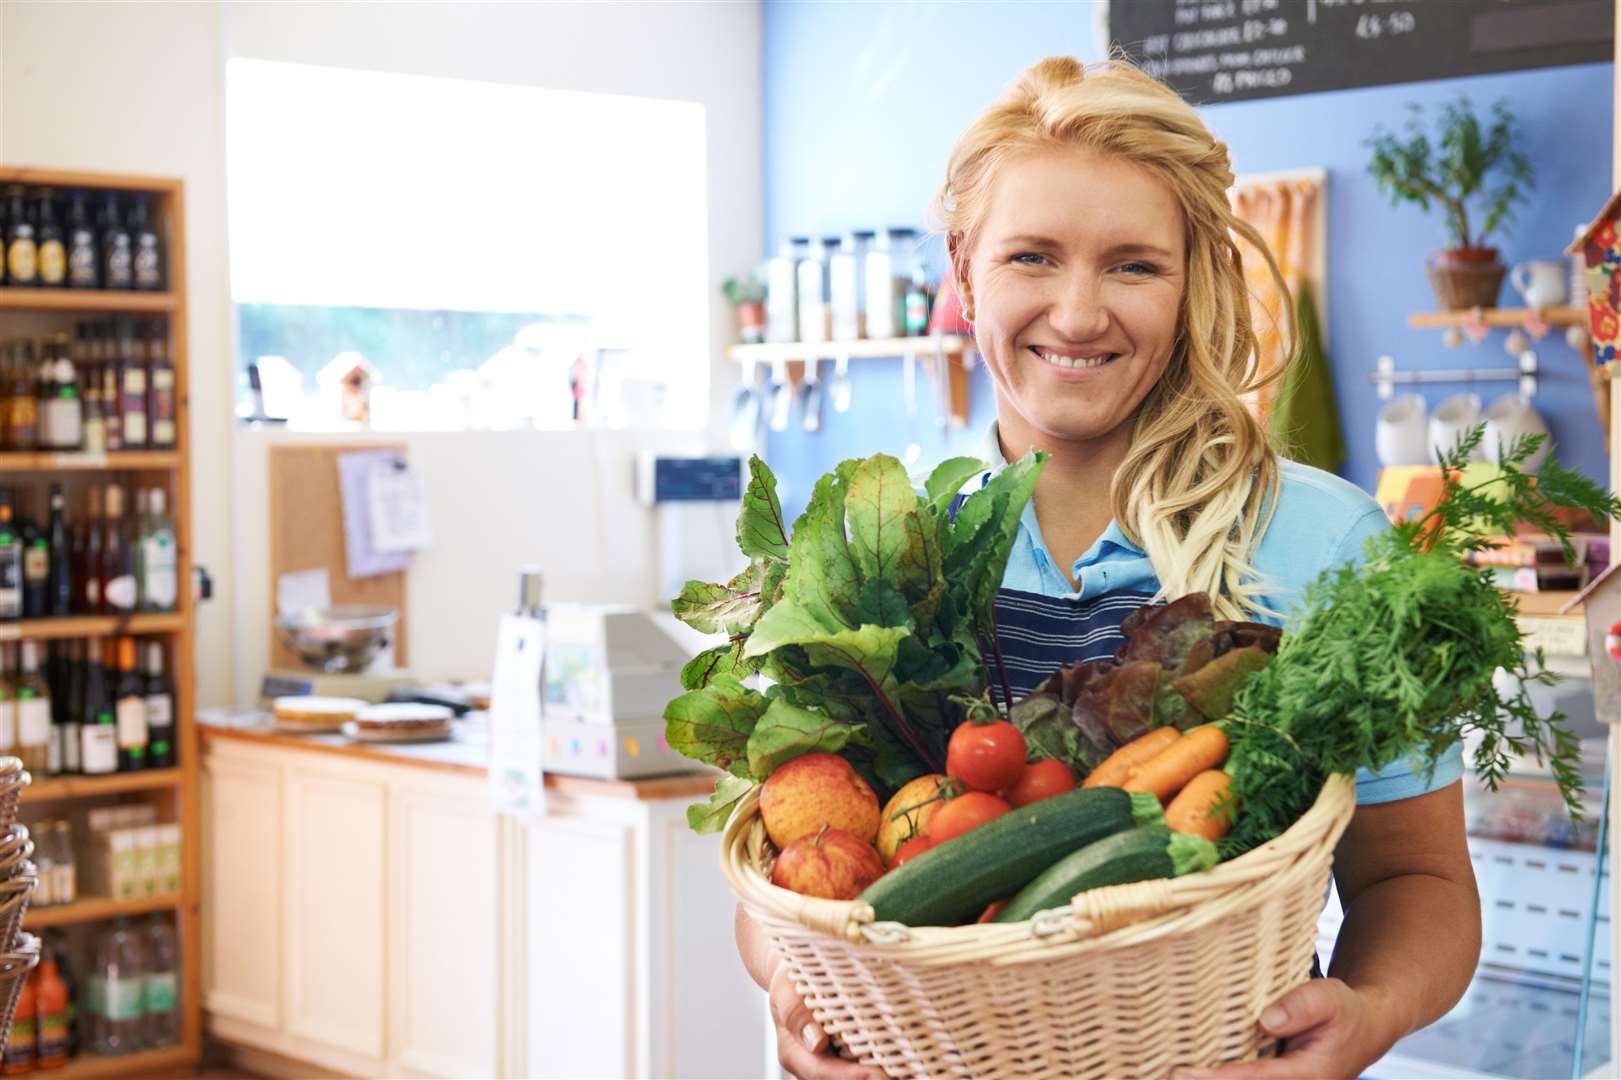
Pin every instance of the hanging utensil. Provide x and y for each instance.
(746, 409)
(810, 396)
(841, 391)
(782, 395)
(909, 382)
(942, 382)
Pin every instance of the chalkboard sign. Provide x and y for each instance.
(1213, 51)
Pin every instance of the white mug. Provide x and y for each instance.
(1540, 281)
(1450, 421)
(1402, 434)
(1512, 417)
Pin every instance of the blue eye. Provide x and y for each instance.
(1023, 255)
(1138, 268)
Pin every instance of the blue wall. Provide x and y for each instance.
(864, 100)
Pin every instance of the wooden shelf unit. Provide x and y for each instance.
(954, 351)
(95, 909)
(1496, 317)
(31, 307)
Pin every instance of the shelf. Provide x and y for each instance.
(1499, 317)
(86, 787)
(87, 1064)
(78, 626)
(950, 344)
(77, 461)
(95, 909)
(90, 301)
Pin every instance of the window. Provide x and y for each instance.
(483, 255)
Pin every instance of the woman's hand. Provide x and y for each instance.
(803, 1048)
(1328, 1028)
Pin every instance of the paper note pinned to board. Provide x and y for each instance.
(398, 506)
(361, 555)
(303, 589)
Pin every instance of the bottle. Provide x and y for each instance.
(844, 285)
(160, 402)
(99, 731)
(117, 256)
(917, 304)
(59, 945)
(66, 887)
(883, 301)
(51, 1012)
(94, 435)
(118, 592)
(11, 562)
(68, 699)
(22, 408)
(53, 253)
(158, 579)
(84, 270)
(19, 1057)
(112, 417)
(148, 256)
(161, 984)
(62, 416)
(130, 709)
(22, 248)
(118, 989)
(159, 709)
(132, 385)
(44, 864)
(812, 280)
(782, 292)
(33, 712)
(8, 704)
(89, 554)
(36, 561)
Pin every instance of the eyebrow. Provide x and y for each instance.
(1035, 240)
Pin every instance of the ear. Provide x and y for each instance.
(959, 273)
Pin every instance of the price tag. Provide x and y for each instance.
(1555, 636)
(81, 460)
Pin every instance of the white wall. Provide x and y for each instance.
(138, 87)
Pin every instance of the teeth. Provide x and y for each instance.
(1074, 361)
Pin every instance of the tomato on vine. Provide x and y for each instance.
(986, 757)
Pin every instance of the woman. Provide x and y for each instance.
(1087, 220)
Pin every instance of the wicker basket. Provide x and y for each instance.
(1460, 286)
(1131, 980)
(15, 964)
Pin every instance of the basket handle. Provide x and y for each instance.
(1097, 911)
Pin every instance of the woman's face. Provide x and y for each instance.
(1075, 283)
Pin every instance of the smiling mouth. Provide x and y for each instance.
(1071, 362)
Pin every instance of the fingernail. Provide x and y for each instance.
(1274, 1017)
(812, 1036)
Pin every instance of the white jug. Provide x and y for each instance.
(1513, 417)
(1402, 434)
(1540, 281)
(1450, 421)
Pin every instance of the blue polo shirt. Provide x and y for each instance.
(1043, 623)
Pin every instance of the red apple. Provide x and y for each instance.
(829, 863)
(815, 790)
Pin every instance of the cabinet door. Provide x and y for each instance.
(444, 926)
(242, 889)
(335, 904)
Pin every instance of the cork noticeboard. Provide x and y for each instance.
(306, 533)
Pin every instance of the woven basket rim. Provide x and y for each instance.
(1140, 912)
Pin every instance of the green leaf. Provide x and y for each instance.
(712, 816)
(761, 532)
(1211, 688)
(713, 725)
(723, 609)
(823, 578)
(1049, 730)
(886, 527)
(787, 731)
(948, 479)
(881, 604)
(723, 661)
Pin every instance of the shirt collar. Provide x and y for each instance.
(991, 451)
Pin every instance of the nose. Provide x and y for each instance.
(1078, 311)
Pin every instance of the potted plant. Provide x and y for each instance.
(748, 300)
(1476, 173)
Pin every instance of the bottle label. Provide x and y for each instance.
(161, 583)
(70, 747)
(118, 264)
(163, 431)
(37, 562)
(134, 382)
(100, 748)
(92, 593)
(160, 992)
(163, 380)
(34, 722)
(121, 593)
(135, 425)
(20, 1047)
(159, 711)
(11, 596)
(65, 883)
(21, 259)
(60, 424)
(82, 260)
(53, 1037)
(132, 723)
(8, 725)
(121, 998)
(146, 263)
(53, 262)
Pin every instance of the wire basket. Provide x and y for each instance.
(1129, 980)
(15, 964)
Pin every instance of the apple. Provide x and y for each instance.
(830, 863)
(908, 811)
(814, 790)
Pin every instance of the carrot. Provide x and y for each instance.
(1203, 748)
(993, 909)
(1116, 769)
(1199, 809)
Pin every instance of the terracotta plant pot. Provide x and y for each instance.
(1465, 278)
(751, 322)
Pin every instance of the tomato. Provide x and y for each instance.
(911, 849)
(1041, 780)
(986, 757)
(967, 811)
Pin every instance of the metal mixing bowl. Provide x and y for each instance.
(342, 638)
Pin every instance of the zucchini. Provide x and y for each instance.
(1140, 854)
(952, 883)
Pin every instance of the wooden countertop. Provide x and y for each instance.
(468, 754)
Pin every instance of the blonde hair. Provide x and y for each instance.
(1199, 484)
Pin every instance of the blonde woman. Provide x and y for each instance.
(1087, 219)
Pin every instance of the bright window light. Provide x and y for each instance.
(575, 220)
